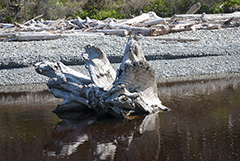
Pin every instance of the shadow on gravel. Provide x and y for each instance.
(112, 59)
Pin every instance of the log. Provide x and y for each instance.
(133, 30)
(141, 18)
(154, 22)
(121, 32)
(33, 27)
(181, 39)
(181, 27)
(29, 36)
(132, 89)
(194, 8)
(210, 17)
(3, 25)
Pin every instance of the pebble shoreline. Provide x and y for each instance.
(217, 53)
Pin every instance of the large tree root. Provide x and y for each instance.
(132, 89)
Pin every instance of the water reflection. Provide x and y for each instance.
(92, 139)
(204, 124)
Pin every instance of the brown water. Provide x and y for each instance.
(204, 124)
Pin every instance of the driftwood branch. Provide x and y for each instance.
(26, 23)
(132, 89)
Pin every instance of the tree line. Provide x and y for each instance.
(23, 10)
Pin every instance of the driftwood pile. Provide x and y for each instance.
(147, 24)
(132, 89)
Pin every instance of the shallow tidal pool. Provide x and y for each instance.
(203, 124)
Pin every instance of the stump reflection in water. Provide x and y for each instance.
(106, 139)
(204, 124)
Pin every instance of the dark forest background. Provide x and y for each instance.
(22, 10)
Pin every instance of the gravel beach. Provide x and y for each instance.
(216, 54)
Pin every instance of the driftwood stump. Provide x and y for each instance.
(132, 89)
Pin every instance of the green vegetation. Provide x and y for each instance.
(22, 10)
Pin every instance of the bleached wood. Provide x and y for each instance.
(147, 24)
(212, 17)
(65, 83)
(29, 36)
(78, 21)
(56, 23)
(203, 17)
(181, 39)
(181, 27)
(132, 90)
(143, 17)
(139, 78)
(6, 25)
(122, 32)
(101, 72)
(194, 8)
(132, 29)
(26, 23)
(154, 22)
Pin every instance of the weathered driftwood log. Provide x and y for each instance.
(210, 17)
(132, 89)
(134, 30)
(29, 36)
(121, 32)
(194, 8)
(143, 17)
(181, 27)
(181, 39)
(154, 22)
(6, 25)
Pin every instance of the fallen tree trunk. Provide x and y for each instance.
(132, 89)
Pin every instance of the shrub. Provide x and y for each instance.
(101, 9)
